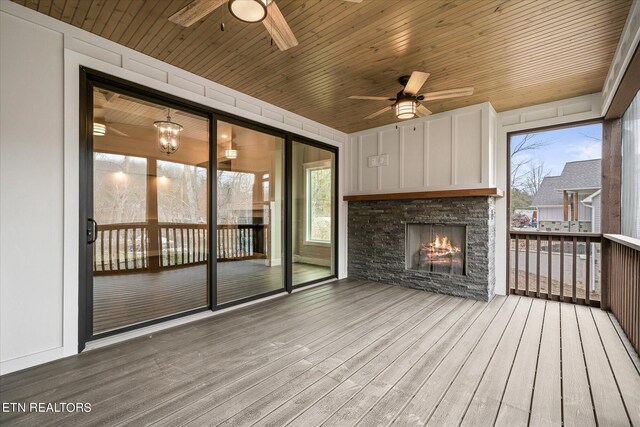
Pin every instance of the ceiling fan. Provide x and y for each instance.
(407, 103)
(250, 11)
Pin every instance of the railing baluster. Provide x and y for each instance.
(549, 270)
(101, 234)
(587, 274)
(118, 235)
(95, 260)
(126, 248)
(538, 266)
(182, 244)
(561, 268)
(135, 248)
(574, 270)
(175, 246)
(526, 265)
(111, 250)
(517, 272)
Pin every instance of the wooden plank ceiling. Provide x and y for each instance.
(515, 53)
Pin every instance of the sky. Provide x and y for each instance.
(563, 145)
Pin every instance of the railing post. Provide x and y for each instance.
(153, 239)
(610, 198)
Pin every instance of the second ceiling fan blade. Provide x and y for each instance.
(415, 82)
(278, 28)
(372, 98)
(377, 113)
(422, 111)
(449, 93)
(195, 11)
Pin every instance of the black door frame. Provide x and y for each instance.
(89, 79)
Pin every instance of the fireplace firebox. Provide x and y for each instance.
(436, 248)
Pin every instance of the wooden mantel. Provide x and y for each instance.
(443, 194)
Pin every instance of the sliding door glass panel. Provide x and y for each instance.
(150, 256)
(313, 213)
(250, 213)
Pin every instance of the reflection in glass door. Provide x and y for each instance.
(313, 213)
(250, 213)
(150, 204)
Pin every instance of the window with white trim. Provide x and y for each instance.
(318, 198)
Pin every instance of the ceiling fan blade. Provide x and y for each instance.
(195, 11)
(111, 128)
(372, 98)
(377, 113)
(450, 93)
(415, 82)
(422, 111)
(278, 28)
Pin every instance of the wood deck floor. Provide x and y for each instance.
(121, 300)
(354, 353)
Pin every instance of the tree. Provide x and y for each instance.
(533, 177)
(520, 165)
(520, 199)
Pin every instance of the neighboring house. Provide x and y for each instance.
(570, 201)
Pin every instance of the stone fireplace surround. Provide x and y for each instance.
(376, 241)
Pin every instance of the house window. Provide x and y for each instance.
(318, 206)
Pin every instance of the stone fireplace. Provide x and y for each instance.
(440, 245)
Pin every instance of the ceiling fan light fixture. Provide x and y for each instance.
(168, 135)
(99, 129)
(405, 109)
(250, 11)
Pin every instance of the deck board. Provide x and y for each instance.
(577, 402)
(352, 353)
(546, 406)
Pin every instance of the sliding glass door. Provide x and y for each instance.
(250, 213)
(150, 214)
(313, 213)
(185, 209)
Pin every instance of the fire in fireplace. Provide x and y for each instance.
(437, 248)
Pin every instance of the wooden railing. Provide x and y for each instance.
(182, 244)
(120, 248)
(541, 262)
(242, 241)
(624, 284)
(126, 248)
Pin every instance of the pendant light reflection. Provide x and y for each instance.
(168, 135)
(99, 129)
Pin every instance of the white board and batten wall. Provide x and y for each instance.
(39, 169)
(450, 150)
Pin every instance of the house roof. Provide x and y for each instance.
(579, 175)
(585, 174)
(548, 194)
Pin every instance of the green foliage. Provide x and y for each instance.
(520, 199)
